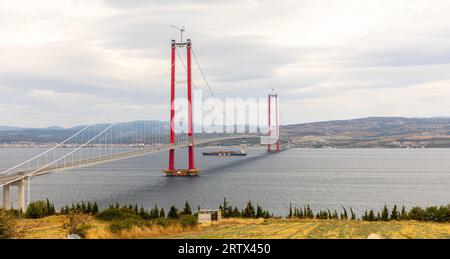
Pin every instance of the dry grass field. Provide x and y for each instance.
(50, 227)
(318, 229)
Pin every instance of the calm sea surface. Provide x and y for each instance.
(323, 178)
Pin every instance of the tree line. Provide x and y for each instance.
(307, 213)
(250, 211)
(428, 214)
(39, 209)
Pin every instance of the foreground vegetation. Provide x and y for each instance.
(86, 220)
(316, 229)
(50, 227)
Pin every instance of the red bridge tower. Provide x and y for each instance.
(191, 171)
(273, 96)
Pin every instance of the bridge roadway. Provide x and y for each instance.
(13, 177)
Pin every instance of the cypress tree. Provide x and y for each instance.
(83, 207)
(300, 214)
(187, 209)
(395, 214)
(48, 207)
(259, 212)
(297, 213)
(227, 208)
(404, 214)
(173, 213)
(309, 213)
(344, 216)
(385, 214)
(371, 216)
(95, 209)
(249, 211)
(143, 213)
(290, 215)
(353, 215)
(154, 213)
(236, 212)
(335, 215)
(365, 217)
(89, 207)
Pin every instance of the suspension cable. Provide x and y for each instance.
(29, 175)
(207, 83)
(118, 104)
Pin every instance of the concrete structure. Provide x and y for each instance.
(205, 216)
(20, 194)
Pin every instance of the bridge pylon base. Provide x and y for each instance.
(182, 172)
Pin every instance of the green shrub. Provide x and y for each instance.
(16, 213)
(40, 209)
(173, 213)
(7, 225)
(127, 223)
(187, 221)
(416, 213)
(164, 222)
(437, 214)
(116, 214)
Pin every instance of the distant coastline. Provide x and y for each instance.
(372, 132)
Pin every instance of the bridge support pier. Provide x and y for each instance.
(276, 144)
(6, 197)
(20, 194)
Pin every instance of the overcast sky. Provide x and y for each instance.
(64, 62)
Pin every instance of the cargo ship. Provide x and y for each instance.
(225, 153)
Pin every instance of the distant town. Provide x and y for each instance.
(375, 132)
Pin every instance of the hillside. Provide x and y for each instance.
(128, 131)
(390, 132)
(386, 132)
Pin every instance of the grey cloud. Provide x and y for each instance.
(231, 58)
(238, 63)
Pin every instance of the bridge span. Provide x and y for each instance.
(18, 178)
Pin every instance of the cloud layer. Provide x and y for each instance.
(64, 62)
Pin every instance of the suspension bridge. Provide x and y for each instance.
(94, 144)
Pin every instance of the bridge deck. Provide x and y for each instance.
(12, 177)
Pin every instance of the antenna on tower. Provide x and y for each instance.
(182, 30)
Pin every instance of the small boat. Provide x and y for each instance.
(225, 153)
